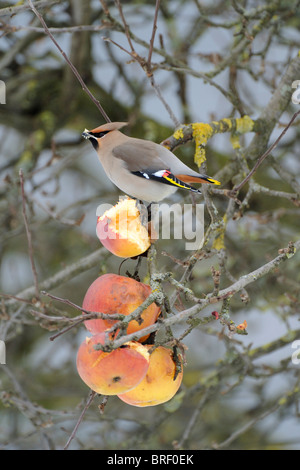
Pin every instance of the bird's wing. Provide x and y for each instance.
(141, 159)
(139, 156)
(152, 161)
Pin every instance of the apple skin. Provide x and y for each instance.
(112, 293)
(110, 373)
(158, 386)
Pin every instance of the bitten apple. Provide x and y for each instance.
(158, 385)
(121, 231)
(110, 373)
(112, 293)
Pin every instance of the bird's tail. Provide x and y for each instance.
(197, 179)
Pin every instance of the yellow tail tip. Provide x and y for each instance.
(211, 180)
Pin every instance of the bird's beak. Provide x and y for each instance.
(86, 134)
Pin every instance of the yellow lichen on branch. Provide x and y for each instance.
(235, 141)
(201, 132)
(178, 134)
(244, 124)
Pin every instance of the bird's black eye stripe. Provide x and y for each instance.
(99, 134)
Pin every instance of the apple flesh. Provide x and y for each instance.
(110, 373)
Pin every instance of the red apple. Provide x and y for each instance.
(158, 385)
(110, 373)
(112, 293)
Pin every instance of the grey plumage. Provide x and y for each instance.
(136, 166)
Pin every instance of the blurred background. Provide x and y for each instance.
(211, 60)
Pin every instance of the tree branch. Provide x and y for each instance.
(72, 67)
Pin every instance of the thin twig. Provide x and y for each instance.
(13, 10)
(28, 234)
(157, 90)
(121, 321)
(153, 34)
(267, 152)
(126, 28)
(19, 299)
(73, 68)
(67, 29)
(246, 427)
(65, 301)
(146, 65)
(55, 216)
(192, 421)
(62, 276)
(108, 316)
(132, 55)
(91, 397)
(64, 330)
(78, 319)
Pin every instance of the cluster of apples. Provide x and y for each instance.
(139, 374)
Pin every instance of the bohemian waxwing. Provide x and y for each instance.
(140, 168)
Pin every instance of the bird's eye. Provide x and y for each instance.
(98, 135)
